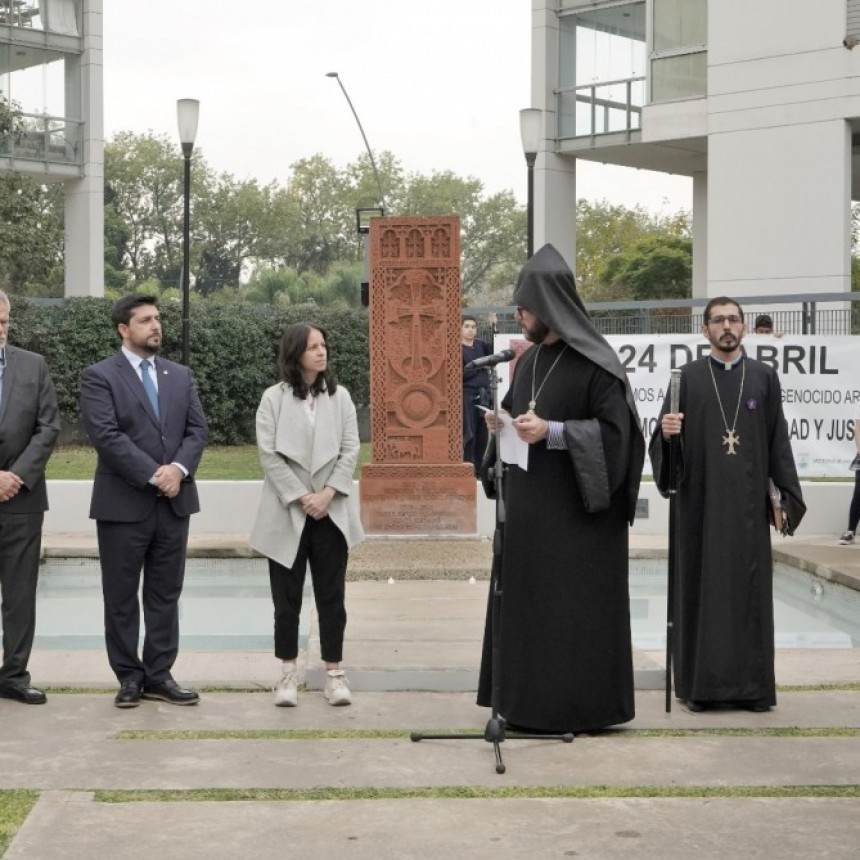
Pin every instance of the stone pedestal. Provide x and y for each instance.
(417, 482)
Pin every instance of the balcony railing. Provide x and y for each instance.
(49, 139)
(605, 107)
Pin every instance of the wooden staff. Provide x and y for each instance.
(674, 406)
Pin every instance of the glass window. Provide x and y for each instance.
(680, 77)
(602, 63)
(680, 24)
(602, 45)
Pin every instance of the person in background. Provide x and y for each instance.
(476, 389)
(144, 418)
(764, 325)
(854, 509)
(732, 450)
(307, 438)
(29, 427)
(565, 653)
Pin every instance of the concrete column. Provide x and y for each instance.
(555, 204)
(84, 198)
(555, 176)
(700, 235)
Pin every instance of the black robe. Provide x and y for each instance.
(566, 657)
(723, 609)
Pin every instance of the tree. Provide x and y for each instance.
(605, 231)
(316, 208)
(232, 222)
(31, 223)
(655, 267)
(143, 204)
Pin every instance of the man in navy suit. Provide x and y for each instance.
(29, 426)
(146, 423)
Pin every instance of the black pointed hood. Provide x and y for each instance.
(546, 287)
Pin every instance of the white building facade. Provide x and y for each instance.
(51, 75)
(758, 102)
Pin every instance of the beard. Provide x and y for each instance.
(536, 332)
(727, 342)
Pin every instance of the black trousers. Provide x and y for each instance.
(20, 542)
(156, 546)
(323, 545)
(474, 427)
(854, 510)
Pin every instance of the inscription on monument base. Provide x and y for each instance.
(420, 499)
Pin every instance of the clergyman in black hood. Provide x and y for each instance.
(566, 656)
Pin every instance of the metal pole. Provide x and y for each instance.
(363, 135)
(186, 255)
(531, 157)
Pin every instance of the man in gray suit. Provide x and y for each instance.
(146, 423)
(29, 427)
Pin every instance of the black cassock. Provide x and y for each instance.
(566, 658)
(723, 625)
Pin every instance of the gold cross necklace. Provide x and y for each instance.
(536, 394)
(730, 440)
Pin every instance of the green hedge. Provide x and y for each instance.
(233, 352)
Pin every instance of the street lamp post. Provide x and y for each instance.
(363, 135)
(187, 112)
(530, 132)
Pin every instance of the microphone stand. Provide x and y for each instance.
(495, 731)
(672, 570)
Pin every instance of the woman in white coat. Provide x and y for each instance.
(307, 438)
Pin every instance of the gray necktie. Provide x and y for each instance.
(149, 385)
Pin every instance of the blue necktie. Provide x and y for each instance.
(149, 385)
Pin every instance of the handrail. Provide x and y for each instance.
(50, 139)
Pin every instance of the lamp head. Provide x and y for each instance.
(331, 74)
(530, 130)
(187, 114)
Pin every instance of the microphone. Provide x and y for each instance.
(491, 360)
(674, 389)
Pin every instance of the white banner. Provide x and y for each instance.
(819, 377)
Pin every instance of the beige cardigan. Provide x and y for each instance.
(299, 458)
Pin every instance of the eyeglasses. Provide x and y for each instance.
(732, 319)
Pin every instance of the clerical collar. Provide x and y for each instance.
(727, 365)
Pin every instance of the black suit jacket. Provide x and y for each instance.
(131, 442)
(29, 427)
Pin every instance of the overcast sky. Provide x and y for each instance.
(438, 84)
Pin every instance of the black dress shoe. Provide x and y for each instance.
(23, 693)
(170, 691)
(696, 707)
(128, 695)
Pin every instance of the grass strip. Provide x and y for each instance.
(403, 734)
(15, 806)
(852, 687)
(468, 792)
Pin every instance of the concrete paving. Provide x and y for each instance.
(404, 638)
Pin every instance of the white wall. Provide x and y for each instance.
(229, 508)
(780, 86)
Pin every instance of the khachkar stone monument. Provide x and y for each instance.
(417, 482)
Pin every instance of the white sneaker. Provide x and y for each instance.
(336, 690)
(847, 538)
(287, 691)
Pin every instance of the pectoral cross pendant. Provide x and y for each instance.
(532, 405)
(730, 441)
